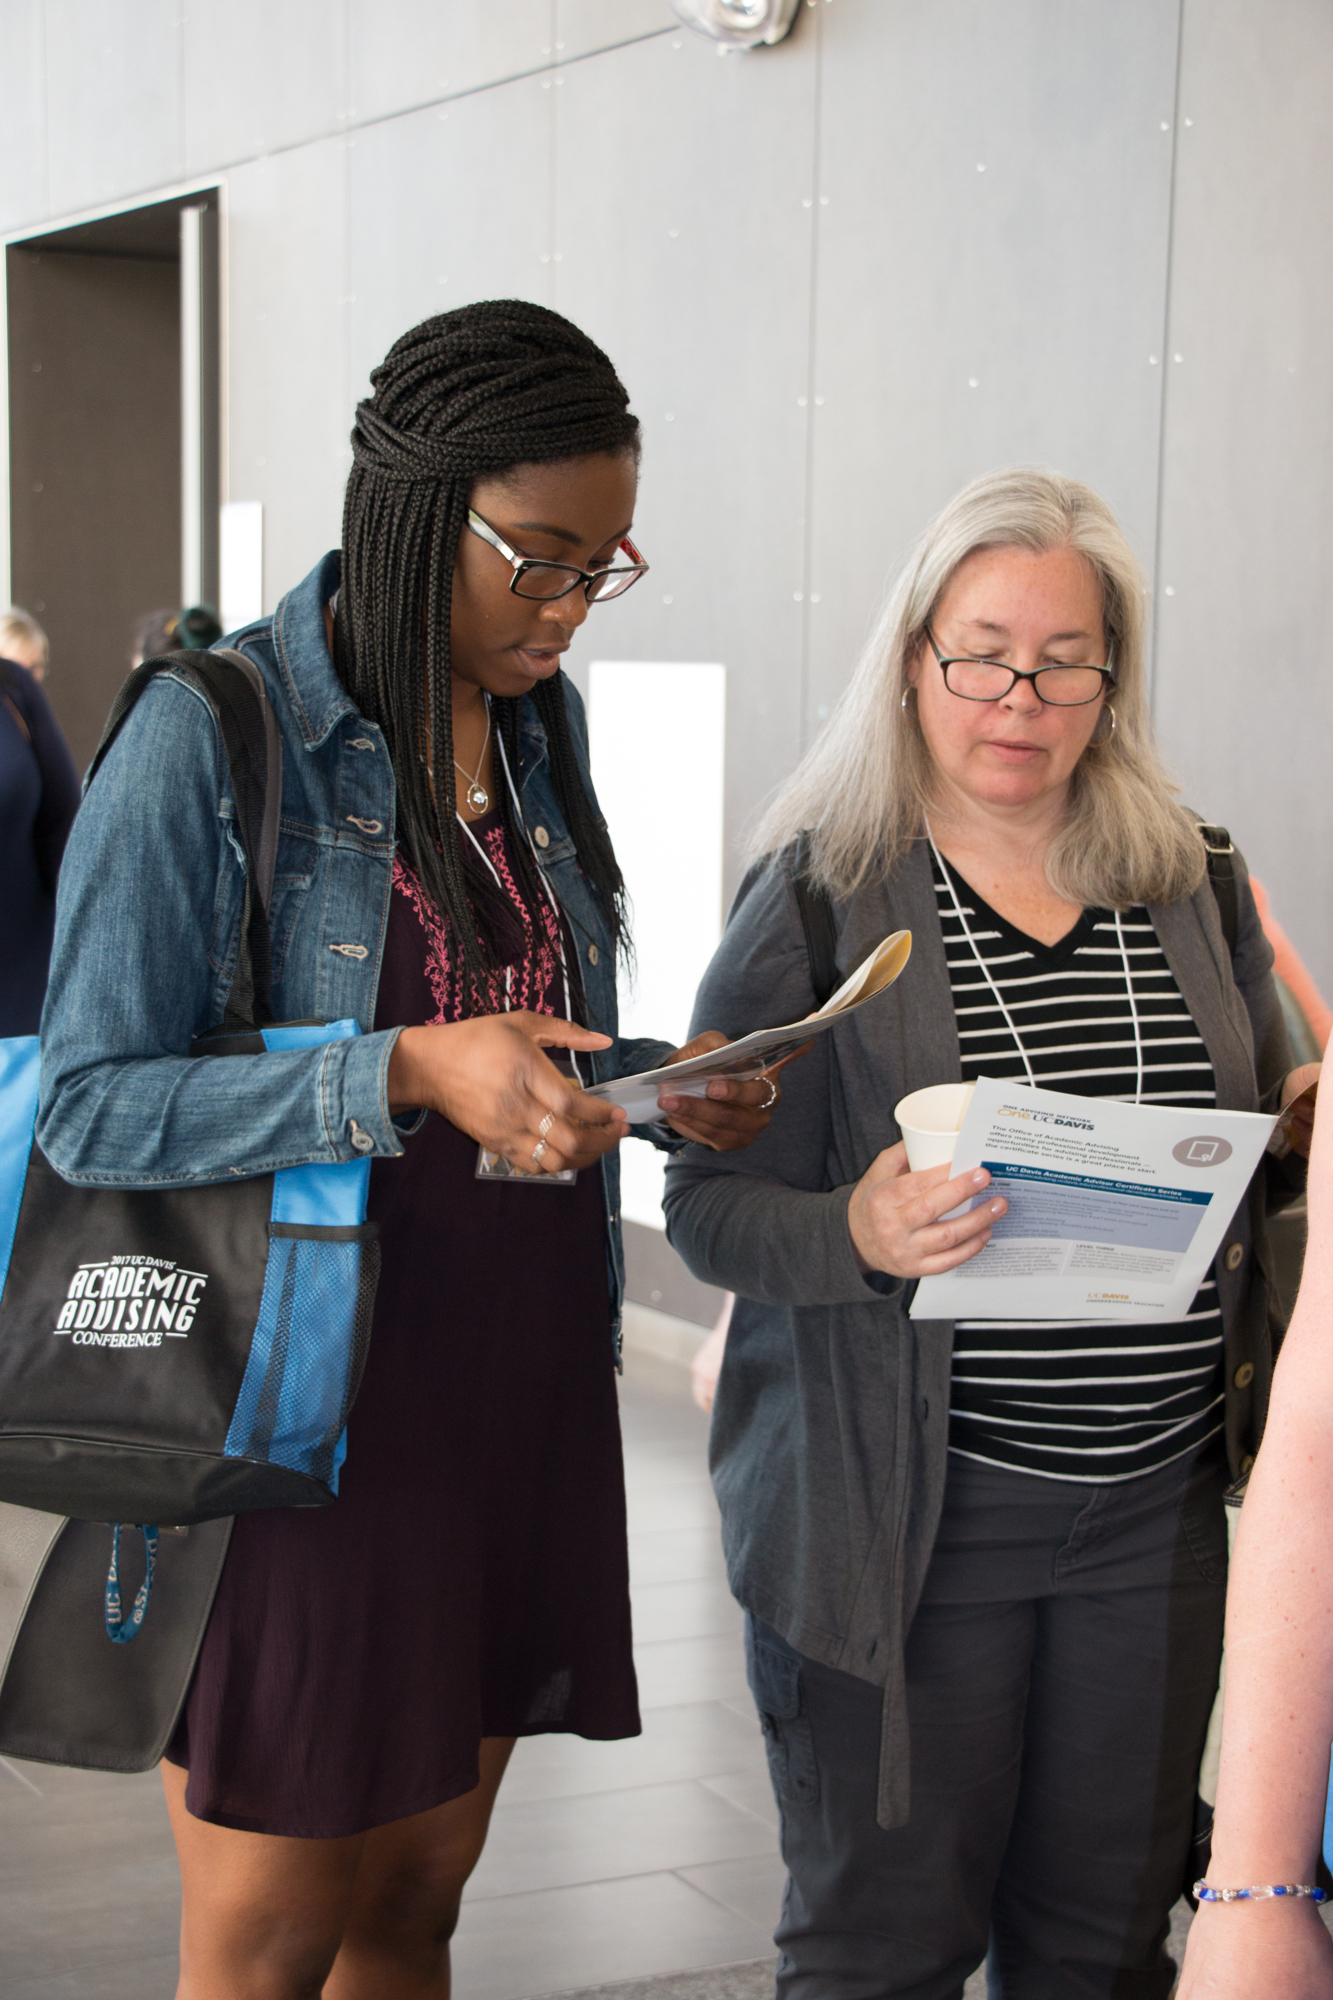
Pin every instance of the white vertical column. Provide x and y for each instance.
(192, 404)
(240, 563)
(657, 733)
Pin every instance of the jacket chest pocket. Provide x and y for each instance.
(294, 877)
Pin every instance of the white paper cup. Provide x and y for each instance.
(930, 1121)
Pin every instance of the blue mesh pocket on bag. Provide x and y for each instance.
(309, 1348)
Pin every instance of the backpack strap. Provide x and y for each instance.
(818, 923)
(1222, 874)
(234, 690)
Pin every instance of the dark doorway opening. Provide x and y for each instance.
(96, 385)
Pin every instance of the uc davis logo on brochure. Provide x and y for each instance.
(130, 1302)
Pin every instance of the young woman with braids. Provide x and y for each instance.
(444, 877)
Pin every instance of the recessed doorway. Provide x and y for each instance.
(111, 336)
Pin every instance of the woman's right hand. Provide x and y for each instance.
(489, 1077)
(894, 1217)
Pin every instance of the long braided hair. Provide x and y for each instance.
(469, 393)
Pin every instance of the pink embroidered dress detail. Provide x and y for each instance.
(534, 975)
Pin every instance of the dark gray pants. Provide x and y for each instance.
(1061, 1669)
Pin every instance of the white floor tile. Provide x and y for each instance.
(512, 1947)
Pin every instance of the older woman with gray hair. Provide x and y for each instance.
(983, 1562)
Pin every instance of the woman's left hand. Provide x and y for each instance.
(1298, 1083)
(732, 1115)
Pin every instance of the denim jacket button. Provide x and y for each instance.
(541, 836)
(593, 954)
(361, 1140)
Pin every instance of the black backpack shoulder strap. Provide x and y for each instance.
(1222, 875)
(818, 923)
(234, 689)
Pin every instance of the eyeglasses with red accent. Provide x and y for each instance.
(533, 577)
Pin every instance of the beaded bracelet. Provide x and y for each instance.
(1259, 1893)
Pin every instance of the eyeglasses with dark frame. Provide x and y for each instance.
(550, 580)
(975, 679)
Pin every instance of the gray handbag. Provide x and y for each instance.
(66, 1695)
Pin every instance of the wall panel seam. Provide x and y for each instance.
(1163, 393)
(811, 391)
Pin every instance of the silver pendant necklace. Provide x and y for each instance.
(476, 795)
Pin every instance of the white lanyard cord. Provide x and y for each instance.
(985, 969)
(546, 884)
(1133, 1009)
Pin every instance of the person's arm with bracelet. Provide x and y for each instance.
(1278, 1718)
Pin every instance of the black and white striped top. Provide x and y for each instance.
(1088, 1400)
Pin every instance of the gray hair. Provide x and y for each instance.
(16, 623)
(863, 787)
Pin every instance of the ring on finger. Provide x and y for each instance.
(537, 1152)
(773, 1095)
(547, 1122)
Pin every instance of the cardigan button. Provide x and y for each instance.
(1235, 1256)
(1244, 1375)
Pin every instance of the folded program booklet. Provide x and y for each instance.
(748, 1058)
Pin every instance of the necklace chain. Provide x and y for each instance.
(477, 796)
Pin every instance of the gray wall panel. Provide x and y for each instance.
(447, 205)
(1244, 696)
(1040, 280)
(113, 99)
(288, 310)
(259, 76)
(405, 52)
(582, 25)
(23, 127)
(686, 252)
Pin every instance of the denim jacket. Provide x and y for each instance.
(148, 928)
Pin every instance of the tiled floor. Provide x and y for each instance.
(613, 1861)
(608, 1863)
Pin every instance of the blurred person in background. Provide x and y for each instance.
(39, 795)
(983, 1562)
(1304, 1007)
(23, 641)
(159, 632)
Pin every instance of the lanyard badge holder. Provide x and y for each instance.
(494, 1166)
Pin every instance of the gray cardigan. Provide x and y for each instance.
(830, 1427)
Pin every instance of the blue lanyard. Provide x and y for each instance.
(121, 1630)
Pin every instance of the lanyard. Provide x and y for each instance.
(546, 885)
(947, 873)
(120, 1629)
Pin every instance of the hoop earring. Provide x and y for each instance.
(1100, 742)
(909, 689)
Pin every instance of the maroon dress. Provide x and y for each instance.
(471, 1579)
